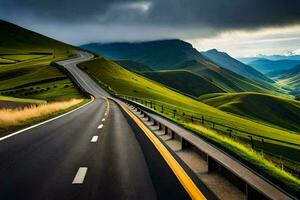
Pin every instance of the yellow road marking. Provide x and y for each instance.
(180, 173)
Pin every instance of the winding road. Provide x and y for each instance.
(89, 153)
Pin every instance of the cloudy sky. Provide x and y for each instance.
(239, 27)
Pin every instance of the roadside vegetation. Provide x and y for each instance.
(123, 82)
(30, 86)
(10, 117)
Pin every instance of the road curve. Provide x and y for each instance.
(91, 153)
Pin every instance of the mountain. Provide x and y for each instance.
(179, 55)
(158, 55)
(226, 61)
(266, 66)
(247, 60)
(261, 107)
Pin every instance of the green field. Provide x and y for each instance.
(275, 111)
(124, 82)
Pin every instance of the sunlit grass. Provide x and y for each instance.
(247, 153)
(9, 117)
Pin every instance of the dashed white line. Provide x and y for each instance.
(80, 175)
(94, 139)
(100, 126)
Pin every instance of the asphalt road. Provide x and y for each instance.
(84, 155)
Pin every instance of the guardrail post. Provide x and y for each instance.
(212, 165)
(162, 109)
(202, 120)
(174, 113)
(229, 132)
(192, 118)
(151, 104)
(159, 126)
(166, 130)
(184, 143)
(251, 141)
(154, 122)
(172, 134)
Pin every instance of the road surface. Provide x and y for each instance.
(91, 153)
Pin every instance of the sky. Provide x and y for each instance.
(238, 27)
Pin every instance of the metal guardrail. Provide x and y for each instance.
(256, 142)
(241, 180)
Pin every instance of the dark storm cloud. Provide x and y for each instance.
(209, 13)
(147, 19)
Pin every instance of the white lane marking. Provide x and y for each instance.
(80, 175)
(100, 126)
(94, 138)
(49, 120)
(103, 119)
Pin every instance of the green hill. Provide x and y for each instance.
(25, 69)
(177, 54)
(270, 109)
(133, 66)
(184, 81)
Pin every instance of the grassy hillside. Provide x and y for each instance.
(177, 54)
(125, 82)
(17, 38)
(184, 81)
(133, 66)
(271, 109)
(25, 70)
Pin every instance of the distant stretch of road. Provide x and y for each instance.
(90, 153)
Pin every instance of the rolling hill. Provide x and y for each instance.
(177, 54)
(186, 82)
(28, 74)
(227, 62)
(270, 109)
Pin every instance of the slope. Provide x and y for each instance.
(177, 54)
(270, 109)
(184, 81)
(15, 38)
(227, 62)
(29, 74)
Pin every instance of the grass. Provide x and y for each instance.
(124, 82)
(37, 119)
(184, 81)
(21, 100)
(244, 151)
(273, 110)
(11, 117)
